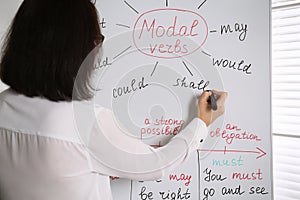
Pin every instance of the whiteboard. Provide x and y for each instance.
(157, 57)
(214, 36)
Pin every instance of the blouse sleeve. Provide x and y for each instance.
(115, 153)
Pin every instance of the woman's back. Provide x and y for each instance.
(40, 153)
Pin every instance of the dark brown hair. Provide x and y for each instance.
(45, 46)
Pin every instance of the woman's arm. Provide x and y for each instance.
(116, 153)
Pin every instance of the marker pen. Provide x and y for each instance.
(212, 100)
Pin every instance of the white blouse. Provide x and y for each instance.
(42, 156)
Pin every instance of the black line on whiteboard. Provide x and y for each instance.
(154, 68)
(202, 4)
(187, 68)
(123, 25)
(167, 3)
(122, 52)
(213, 31)
(130, 189)
(199, 175)
(131, 7)
(206, 53)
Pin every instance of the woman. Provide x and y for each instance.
(41, 154)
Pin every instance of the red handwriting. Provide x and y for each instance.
(232, 133)
(232, 127)
(256, 175)
(167, 130)
(258, 151)
(162, 126)
(169, 31)
(170, 121)
(169, 36)
(181, 177)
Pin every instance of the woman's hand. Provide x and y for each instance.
(205, 112)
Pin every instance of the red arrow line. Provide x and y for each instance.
(225, 150)
(262, 153)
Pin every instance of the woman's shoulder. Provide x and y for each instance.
(37, 116)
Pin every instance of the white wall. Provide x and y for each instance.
(8, 9)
